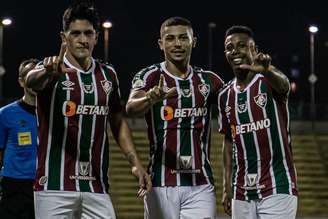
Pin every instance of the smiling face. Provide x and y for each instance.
(80, 38)
(239, 49)
(177, 42)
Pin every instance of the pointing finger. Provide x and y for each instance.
(161, 82)
(62, 52)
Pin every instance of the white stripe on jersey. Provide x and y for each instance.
(202, 143)
(93, 130)
(164, 142)
(178, 132)
(62, 161)
(104, 140)
(191, 133)
(282, 148)
(77, 182)
(251, 119)
(273, 180)
(51, 119)
(242, 143)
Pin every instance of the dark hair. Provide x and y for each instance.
(174, 21)
(82, 10)
(22, 71)
(239, 29)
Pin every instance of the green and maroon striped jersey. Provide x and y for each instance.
(72, 118)
(258, 118)
(179, 127)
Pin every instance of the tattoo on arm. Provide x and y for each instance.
(131, 157)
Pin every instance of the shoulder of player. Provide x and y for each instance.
(226, 87)
(147, 71)
(211, 74)
(7, 109)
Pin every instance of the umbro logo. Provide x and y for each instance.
(67, 85)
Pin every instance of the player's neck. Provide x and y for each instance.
(243, 79)
(180, 70)
(83, 64)
(28, 99)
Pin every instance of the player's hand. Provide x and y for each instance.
(157, 93)
(145, 184)
(261, 63)
(55, 64)
(226, 202)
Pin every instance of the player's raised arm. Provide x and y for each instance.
(140, 101)
(52, 66)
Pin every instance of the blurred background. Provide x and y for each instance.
(129, 42)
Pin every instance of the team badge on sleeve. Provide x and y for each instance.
(138, 84)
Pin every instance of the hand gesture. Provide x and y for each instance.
(145, 184)
(261, 63)
(54, 64)
(157, 93)
(226, 202)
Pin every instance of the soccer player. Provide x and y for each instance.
(259, 173)
(18, 151)
(176, 100)
(77, 98)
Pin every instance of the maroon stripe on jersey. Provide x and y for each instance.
(171, 140)
(263, 143)
(43, 124)
(72, 138)
(282, 114)
(240, 159)
(198, 126)
(98, 135)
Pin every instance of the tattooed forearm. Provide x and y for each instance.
(131, 157)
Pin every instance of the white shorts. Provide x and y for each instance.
(72, 205)
(280, 206)
(184, 202)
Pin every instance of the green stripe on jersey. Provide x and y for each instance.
(206, 136)
(277, 158)
(87, 124)
(248, 138)
(185, 135)
(56, 140)
(159, 132)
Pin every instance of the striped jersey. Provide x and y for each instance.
(179, 127)
(72, 119)
(258, 118)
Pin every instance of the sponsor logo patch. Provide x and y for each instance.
(241, 108)
(70, 108)
(168, 113)
(88, 88)
(24, 138)
(67, 85)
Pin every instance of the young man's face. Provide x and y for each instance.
(81, 37)
(177, 43)
(239, 49)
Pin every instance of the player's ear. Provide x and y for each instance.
(194, 42)
(20, 81)
(97, 36)
(160, 43)
(63, 37)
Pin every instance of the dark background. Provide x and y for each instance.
(281, 29)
